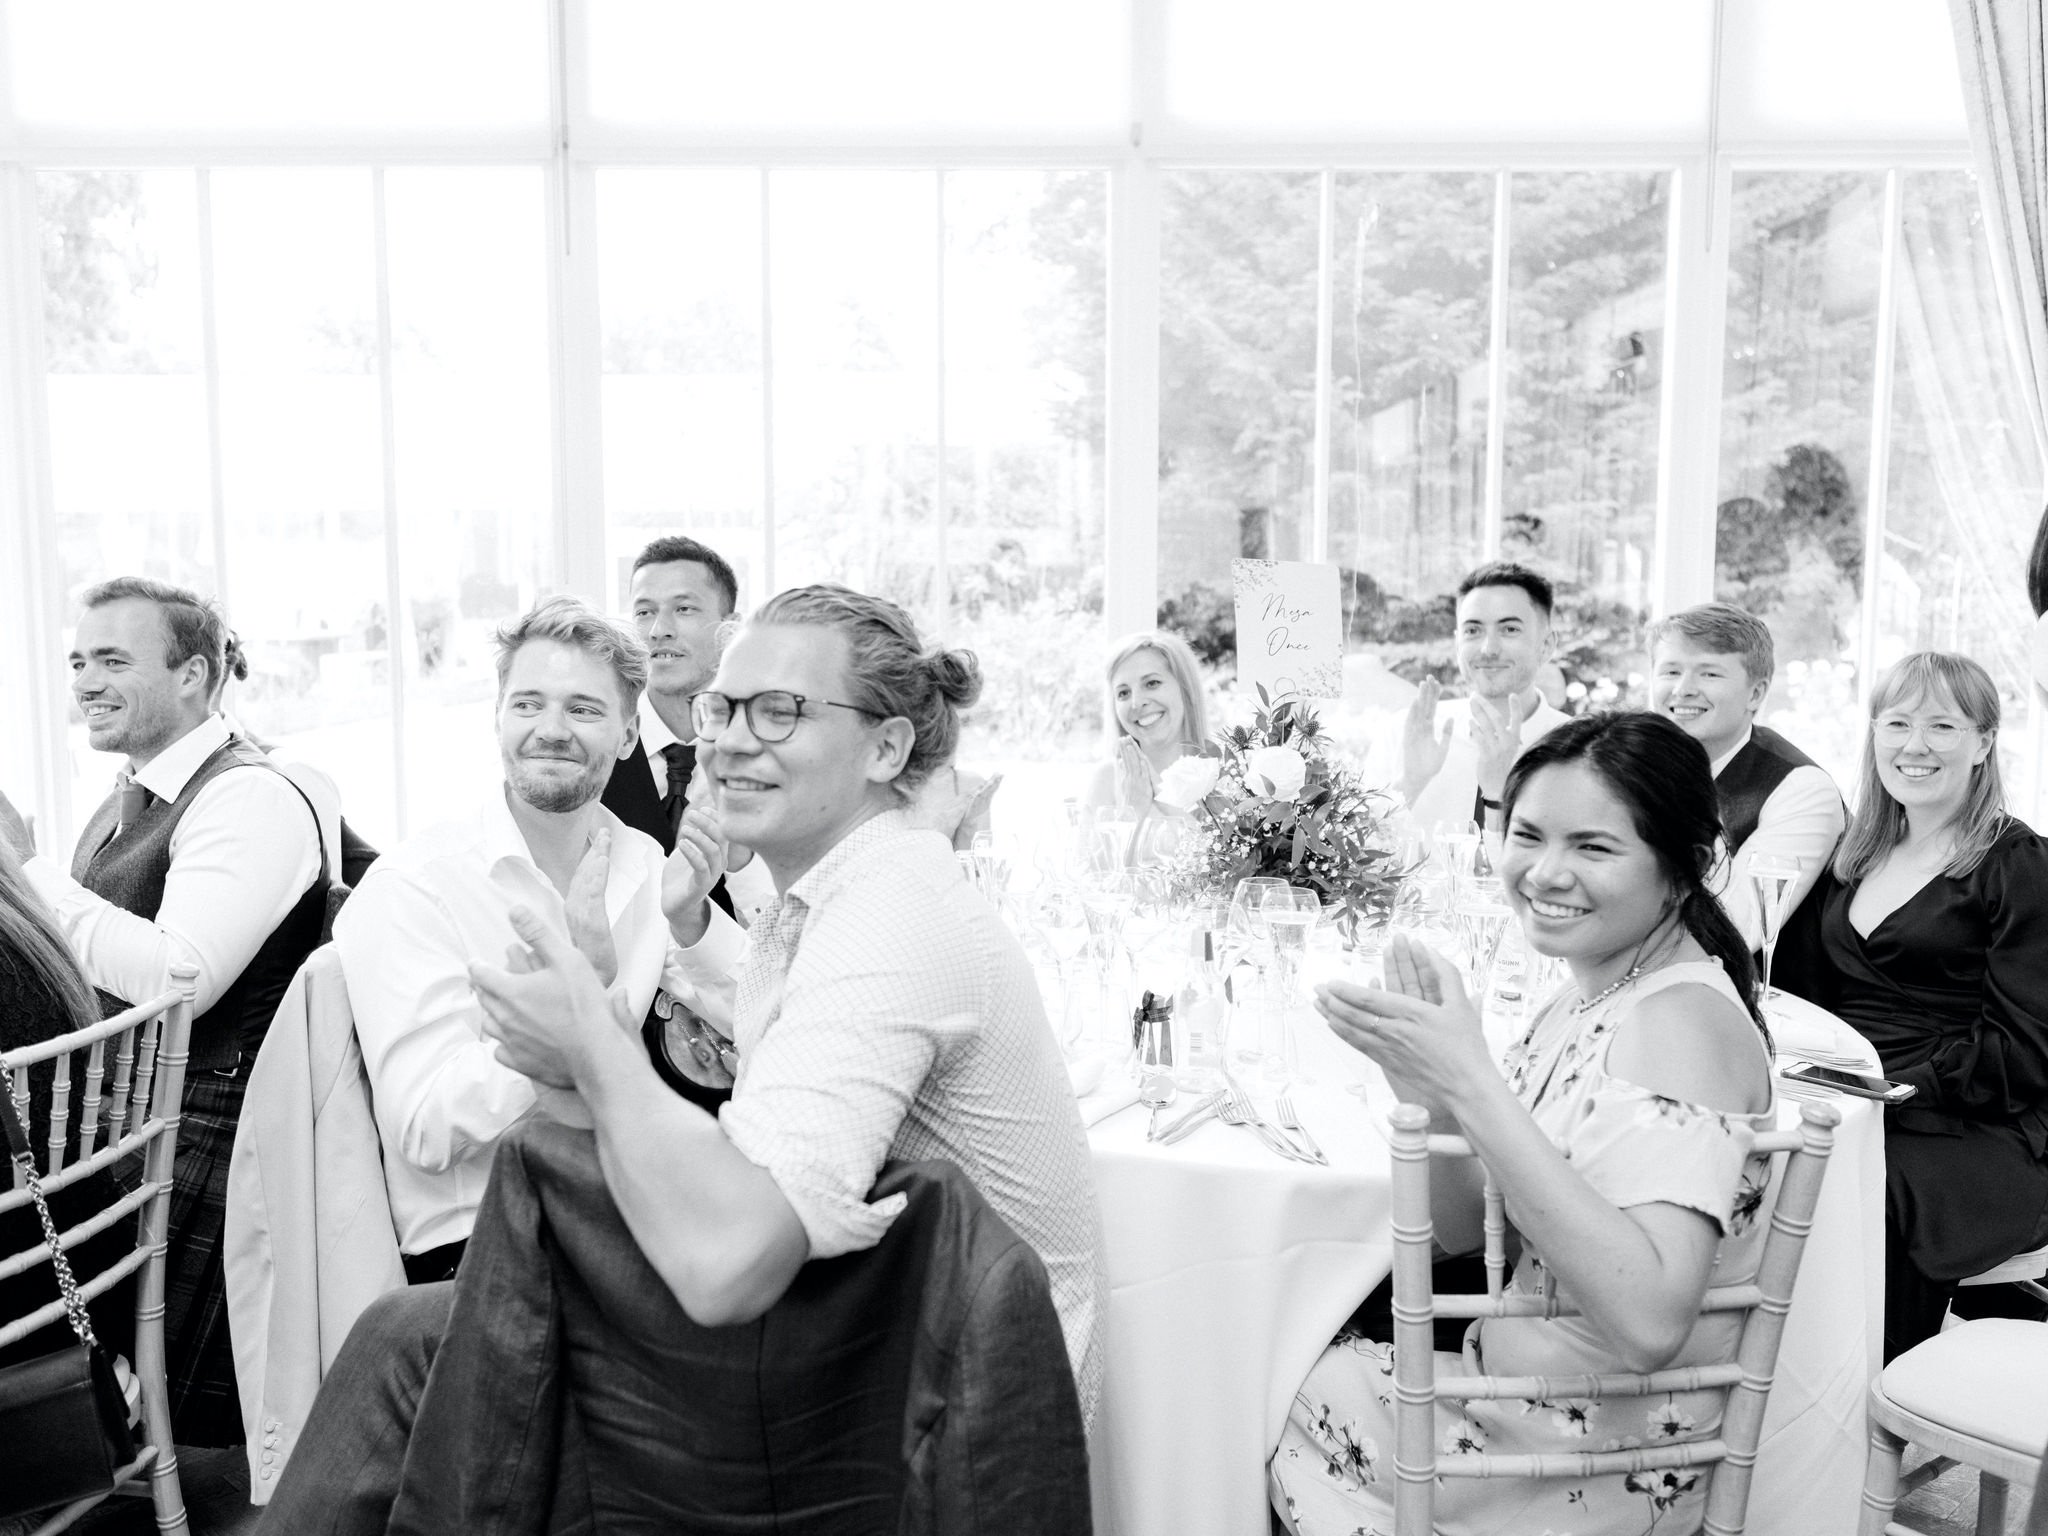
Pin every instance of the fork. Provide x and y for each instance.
(1237, 1110)
(1290, 1122)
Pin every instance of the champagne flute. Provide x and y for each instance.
(1773, 875)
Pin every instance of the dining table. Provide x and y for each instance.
(1231, 1268)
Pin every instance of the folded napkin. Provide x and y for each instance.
(1816, 1036)
(1100, 1093)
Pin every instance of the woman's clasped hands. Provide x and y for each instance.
(1419, 1028)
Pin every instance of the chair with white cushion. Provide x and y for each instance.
(1766, 1300)
(1977, 1393)
(2024, 1270)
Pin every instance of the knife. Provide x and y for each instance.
(1203, 1109)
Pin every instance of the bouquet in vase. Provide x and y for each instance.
(1277, 803)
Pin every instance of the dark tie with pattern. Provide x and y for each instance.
(134, 801)
(682, 760)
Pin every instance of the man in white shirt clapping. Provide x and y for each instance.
(569, 683)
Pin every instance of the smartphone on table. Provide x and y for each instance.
(1860, 1084)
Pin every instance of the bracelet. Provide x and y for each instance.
(1491, 805)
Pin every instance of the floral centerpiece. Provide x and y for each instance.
(1276, 803)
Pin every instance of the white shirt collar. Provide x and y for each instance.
(655, 736)
(1729, 756)
(171, 769)
(499, 840)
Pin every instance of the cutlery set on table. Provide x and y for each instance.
(1233, 1106)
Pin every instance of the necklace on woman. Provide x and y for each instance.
(1646, 952)
(1587, 1005)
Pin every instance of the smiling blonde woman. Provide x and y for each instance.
(1930, 935)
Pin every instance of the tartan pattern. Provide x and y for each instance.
(199, 1360)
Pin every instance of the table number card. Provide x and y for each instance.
(1290, 633)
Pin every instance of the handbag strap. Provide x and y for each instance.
(23, 1155)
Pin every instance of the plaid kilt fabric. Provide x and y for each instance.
(198, 1356)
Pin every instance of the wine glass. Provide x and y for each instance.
(1773, 875)
(1062, 921)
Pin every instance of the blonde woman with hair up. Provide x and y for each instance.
(1929, 934)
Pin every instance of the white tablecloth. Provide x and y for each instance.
(1229, 1270)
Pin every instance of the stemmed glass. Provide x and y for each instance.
(1062, 921)
(1290, 916)
(1773, 875)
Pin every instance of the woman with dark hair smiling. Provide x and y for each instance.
(1930, 936)
(1620, 1128)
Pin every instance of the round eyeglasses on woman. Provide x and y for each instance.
(1940, 735)
(771, 716)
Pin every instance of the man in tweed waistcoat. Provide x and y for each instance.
(205, 854)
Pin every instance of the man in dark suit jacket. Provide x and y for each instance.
(682, 592)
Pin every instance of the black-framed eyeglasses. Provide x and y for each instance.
(771, 715)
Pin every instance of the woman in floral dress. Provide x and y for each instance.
(1620, 1129)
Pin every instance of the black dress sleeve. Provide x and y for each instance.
(1801, 964)
(1998, 1070)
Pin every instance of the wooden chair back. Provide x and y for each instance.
(129, 1075)
(1765, 1301)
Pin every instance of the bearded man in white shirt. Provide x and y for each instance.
(569, 682)
(1454, 769)
(1710, 670)
(205, 855)
(883, 1011)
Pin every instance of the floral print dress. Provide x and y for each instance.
(1333, 1474)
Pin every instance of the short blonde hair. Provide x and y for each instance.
(1180, 666)
(569, 622)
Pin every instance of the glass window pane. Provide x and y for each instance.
(679, 291)
(1025, 356)
(1841, 69)
(1452, 70)
(1413, 257)
(1237, 356)
(128, 67)
(470, 394)
(1795, 438)
(1584, 392)
(302, 455)
(853, 261)
(126, 399)
(1962, 495)
(917, 67)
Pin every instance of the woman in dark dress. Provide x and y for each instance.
(1930, 936)
(43, 994)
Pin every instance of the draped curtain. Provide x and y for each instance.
(1999, 47)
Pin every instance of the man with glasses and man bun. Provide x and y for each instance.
(882, 1012)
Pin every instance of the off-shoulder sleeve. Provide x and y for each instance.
(1999, 1069)
(1635, 1147)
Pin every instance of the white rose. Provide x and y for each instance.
(1185, 781)
(1283, 768)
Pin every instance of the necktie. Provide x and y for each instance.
(682, 761)
(134, 801)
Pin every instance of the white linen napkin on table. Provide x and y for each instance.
(1100, 1093)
